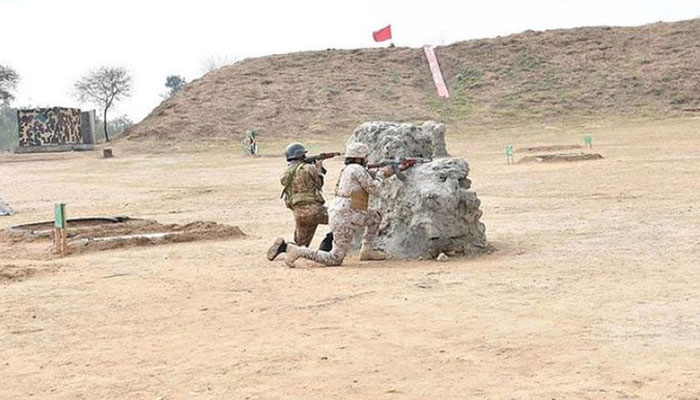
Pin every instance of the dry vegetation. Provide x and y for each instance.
(651, 71)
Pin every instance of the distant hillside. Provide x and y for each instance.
(647, 71)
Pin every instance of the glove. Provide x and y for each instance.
(388, 171)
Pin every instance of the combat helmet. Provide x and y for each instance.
(356, 150)
(295, 151)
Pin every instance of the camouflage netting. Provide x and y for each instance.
(49, 126)
(432, 212)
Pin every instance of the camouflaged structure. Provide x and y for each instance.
(49, 126)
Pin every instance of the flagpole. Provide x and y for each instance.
(391, 40)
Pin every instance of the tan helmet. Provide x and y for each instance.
(356, 150)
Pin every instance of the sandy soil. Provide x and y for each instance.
(593, 293)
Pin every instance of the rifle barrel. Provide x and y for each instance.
(322, 156)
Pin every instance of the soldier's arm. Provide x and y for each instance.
(369, 183)
(317, 175)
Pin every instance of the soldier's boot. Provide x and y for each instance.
(327, 243)
(276, 249)
(369, 254)
(292, 254)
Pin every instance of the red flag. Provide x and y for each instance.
(382, 34)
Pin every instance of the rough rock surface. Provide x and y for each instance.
(432, 212)
(436, 130)
(4, 208)
(391, 140)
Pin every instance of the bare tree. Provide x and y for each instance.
(103, 87)
(8, 82)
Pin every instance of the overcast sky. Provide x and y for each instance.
(50, 43)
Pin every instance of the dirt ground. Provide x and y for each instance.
(592, 294)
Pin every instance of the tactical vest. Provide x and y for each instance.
(359, 199)
(305, 195)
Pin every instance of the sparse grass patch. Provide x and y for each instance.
(457, 107)
(468, 78)
(630, 82)
(333, 90)
(394, 78)
(460, 104)
(682, 98)
(386, 93)
(527, 62)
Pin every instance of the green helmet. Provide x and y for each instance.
(295, 151)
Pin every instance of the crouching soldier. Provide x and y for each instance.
(303, 186)
(349, 213)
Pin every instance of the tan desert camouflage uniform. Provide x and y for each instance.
(349, 214)
(49, 126)
(303, 185)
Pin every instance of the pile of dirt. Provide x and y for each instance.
(555, 147)
(93, 234)
(16, 273)
(562, 157)
(647, 71)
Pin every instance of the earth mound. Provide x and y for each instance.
(547, 148)
(561, 157)
(646, 71)
(104, 233)
(15, 273)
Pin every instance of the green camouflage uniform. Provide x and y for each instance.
(303, 186)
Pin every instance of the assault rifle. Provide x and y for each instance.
(312, 160)
(322, 156)
(399, 165)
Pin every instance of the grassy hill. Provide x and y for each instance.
(651, 71)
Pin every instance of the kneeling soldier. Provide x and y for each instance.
(303, 187)
(349, 213)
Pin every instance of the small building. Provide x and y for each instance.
(55, 129)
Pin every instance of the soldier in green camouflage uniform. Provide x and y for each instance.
(303, 186)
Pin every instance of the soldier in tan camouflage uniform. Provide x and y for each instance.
(303, 185)
(349, 213)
